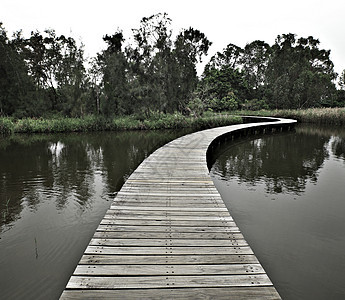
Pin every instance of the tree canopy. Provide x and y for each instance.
(292, 73)
(154, 70)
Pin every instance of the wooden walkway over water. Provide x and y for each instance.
(168, 234)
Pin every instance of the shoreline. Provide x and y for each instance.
(9, 126)
(90, 123)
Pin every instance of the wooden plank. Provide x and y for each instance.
(165, 242)
(171, 213)
(223, 293)
(189, 188)
(168, 229)
(170, 250)
(140, 175)
(168, 259)
(162, 235)
(171, 190)
(168, 217)
(155, 201)
(144, 195)
(148, 196)
(167, 203)
(202, 229)
(108, 282)
(173, 270)
(170, 182)
(171, 194)
(206, 223)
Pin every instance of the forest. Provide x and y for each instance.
(152, 71)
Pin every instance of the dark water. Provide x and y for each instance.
(287, 194)
(54, 190)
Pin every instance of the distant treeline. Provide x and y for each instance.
(154, 71)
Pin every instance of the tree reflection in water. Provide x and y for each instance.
(54, 190)
(66, 168)
(286, 194)
(275, 160)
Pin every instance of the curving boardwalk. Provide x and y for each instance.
(168, 234)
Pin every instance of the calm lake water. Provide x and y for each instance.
(287, 194)
(54, 191)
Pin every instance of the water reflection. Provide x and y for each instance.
(54, 190)
(275, 161)
(338, 147)
(286, 194)
(66, 168)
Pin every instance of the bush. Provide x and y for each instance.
(6, 126)
(95, 123)
(228, 103)
(255, 104)
(332, 116)
(196, 107)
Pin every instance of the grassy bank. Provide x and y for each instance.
(331, 116)
(93, 123)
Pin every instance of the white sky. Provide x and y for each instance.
(223, 21)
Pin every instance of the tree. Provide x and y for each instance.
(190, 46)
(254, 62)
(299, 74)
(224, 82)
(342, 80)
(155, 73)
(225, 79)
(341, 90)
(71, 77)
(231, 57)
(56, 66)
(113, 66)
(149, 64)
(15, 84)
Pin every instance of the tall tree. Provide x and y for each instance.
(342, 80)
(341, 90)
(223, 75)
(114, 70)
(155, 73)
(15, 84)
(299, 74)
(190, 47)
(56, 65)
(254, 66)
(71, 77)
(231, 57)
(151, 62)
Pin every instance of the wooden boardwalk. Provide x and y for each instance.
(168, 234)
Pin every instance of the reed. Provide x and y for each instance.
(331, 116)
(6, 126)
(95, 123)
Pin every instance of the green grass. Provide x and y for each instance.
(94, 123)
(331, 116)
(6, 126)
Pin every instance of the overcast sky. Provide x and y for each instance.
(223, 21)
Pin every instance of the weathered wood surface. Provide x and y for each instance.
(168, 260)
(199, 293)
(168, 234)
(167, 281)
